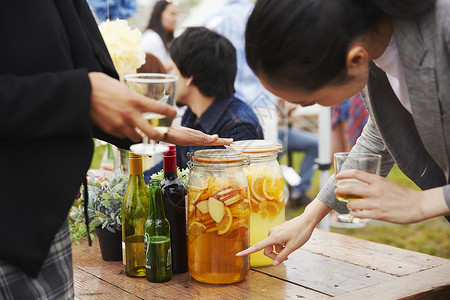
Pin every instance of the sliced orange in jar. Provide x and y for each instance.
(273, 187)
(226, 222)
(270, 208)
(195, 230)
(254, 204)
(194, 195)
(257, 188)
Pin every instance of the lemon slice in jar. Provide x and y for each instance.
(195, 230)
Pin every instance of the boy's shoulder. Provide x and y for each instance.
(239, 105)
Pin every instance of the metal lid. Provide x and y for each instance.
(225, 157)
(256, 146)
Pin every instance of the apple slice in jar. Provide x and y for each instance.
(203, 207)
(216, 209)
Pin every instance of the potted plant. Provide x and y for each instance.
(105, 214)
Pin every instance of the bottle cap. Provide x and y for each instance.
(170, 159)
(135, 162)
(172, 150)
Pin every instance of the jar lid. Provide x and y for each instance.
(224, 157)
(255, 146)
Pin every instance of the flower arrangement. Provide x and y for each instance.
(104, 208)
(105, 203)
(182, 174)
(124, 46)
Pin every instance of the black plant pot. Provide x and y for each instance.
(110, 244)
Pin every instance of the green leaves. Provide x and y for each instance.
(182, 174)
(104, 208)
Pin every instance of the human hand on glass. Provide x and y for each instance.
(159, 88)
(347, 188)
(117, 110)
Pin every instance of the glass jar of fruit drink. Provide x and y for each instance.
(266, 187)
(218, 214)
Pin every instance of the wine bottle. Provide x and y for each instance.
(174, 195)
(158, 260)
(134, 214)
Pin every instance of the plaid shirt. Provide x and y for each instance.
(55, 280)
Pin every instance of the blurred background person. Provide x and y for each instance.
(158, 35)
(347, 122)
(112, 9)
(152, 65)
(298, 140)
(230, 21)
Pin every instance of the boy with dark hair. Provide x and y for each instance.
(205, 63)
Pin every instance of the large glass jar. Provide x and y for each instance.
(218, 214)
(266, 187)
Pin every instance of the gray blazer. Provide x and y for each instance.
(418, 143)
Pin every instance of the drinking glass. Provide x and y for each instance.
(367, 162)
(160, 88)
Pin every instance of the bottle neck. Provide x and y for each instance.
(170, 165)
(156, 206)
(135, 165)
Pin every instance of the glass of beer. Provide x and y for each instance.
(160, 88)
(367, 162)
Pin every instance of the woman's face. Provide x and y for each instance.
(326, 96)
(169, 17)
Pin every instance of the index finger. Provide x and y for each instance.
(256, 247)
(221, 141)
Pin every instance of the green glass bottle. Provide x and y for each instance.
(158, 253)
(134, 214)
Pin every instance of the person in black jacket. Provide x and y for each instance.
(58, 90)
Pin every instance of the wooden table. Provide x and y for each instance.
(328, 265)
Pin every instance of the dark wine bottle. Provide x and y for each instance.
(158, 260)
(174, 199)
(134, 214)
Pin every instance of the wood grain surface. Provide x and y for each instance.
(329, 265)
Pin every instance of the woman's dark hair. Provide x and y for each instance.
(156, 25)
(209, 58)
(304, 43)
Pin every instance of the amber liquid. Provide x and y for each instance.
(348, 197)
(218, 230)
(212, 257)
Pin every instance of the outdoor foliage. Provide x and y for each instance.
(104, 208)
